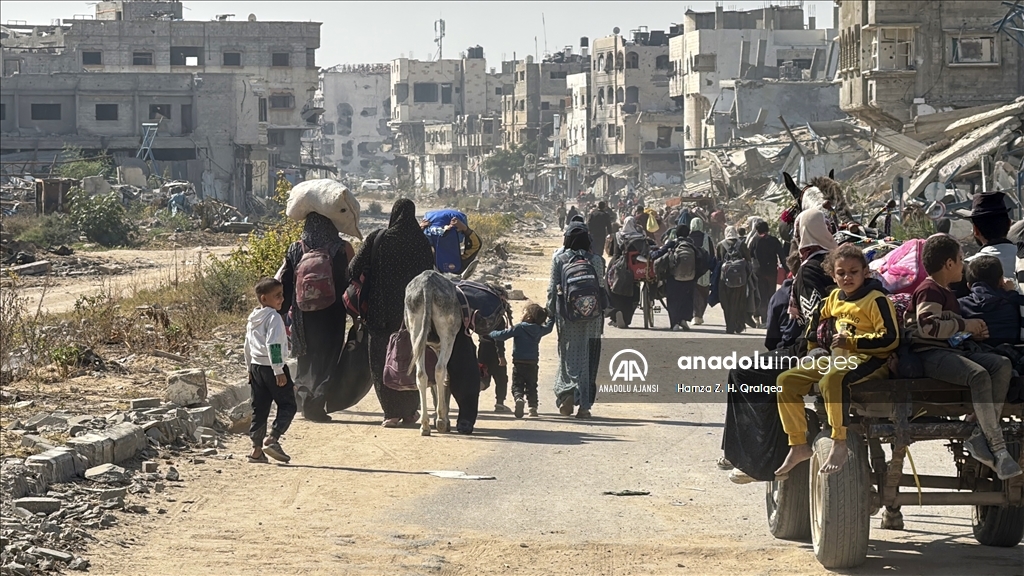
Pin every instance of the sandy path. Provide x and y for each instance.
(355, 501)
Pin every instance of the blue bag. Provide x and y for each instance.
(447, 249)
(444, 217)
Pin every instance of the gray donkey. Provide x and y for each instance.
(433, 316)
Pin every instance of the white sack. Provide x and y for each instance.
(327, 198)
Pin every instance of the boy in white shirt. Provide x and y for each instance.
(266, 346)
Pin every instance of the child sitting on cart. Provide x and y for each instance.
(866, 332)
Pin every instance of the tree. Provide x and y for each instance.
(503, 165)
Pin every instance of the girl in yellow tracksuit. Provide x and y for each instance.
(866, 332)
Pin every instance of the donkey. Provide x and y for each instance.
(433, 317)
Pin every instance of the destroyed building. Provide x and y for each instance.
(899, 60)
(436, 103)
(357, 106)
(538, 93)
(229, 100)
(766, 43)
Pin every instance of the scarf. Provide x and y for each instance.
(630, 231)
(318, 231)
(811, 230)
(731, 233)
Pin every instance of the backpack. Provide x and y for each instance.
(314, 278)
(735, 269)
(447, 249)
(684, 262)
(620, 277)
(902, 270)
(582, 297)
(488, 305)
(444, 217)
(399, 372)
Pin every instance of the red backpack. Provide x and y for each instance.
(314, 279)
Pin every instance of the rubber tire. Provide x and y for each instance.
(789, 514)
(840, 502)
(1001, 526)
(646, 305)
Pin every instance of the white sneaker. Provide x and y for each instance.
(739, 477)
(684, 326)
(698, 321)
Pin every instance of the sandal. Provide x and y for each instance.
(261, 460)
(413, 419)
(391, 422)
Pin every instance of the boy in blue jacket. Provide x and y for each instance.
(526, 354)
(989, 301)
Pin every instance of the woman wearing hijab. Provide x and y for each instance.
(579, 342)
(678, 293)
(811, 284)
(702, 288)
(402, 253)
(317, 336)
(734, 300)
(624, 306)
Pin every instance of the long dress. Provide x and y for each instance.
(579, 342)
(679, 295)
(734, 300)
(402, 254)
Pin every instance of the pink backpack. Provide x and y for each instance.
(314, 280)
(399, 374)
(902, 270)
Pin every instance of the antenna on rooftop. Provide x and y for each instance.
(544, 25)
(439, 37)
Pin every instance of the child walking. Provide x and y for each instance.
(866, 331)
(266, 345)
(526, 354)
(935, 319)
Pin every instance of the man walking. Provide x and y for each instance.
(768, 256)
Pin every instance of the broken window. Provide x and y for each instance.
(609, 62)
(187, 126)
(497, 91)
(232, 59)
(618, 132)
(611, 130)
(401, 92)
(12, 67)
(632, 60)
(46, 111)
(328, 147)
(157, 111)
(3, 111)
(92, 58)
(704, 62)
(893, 49)
(446, 93)
(369, 111)
(345, 112)
(620, 95)
(142, 58)
(328, 128)
(106, 112)
(620, 61)
(600, 62)
(346, 152)
(424, 92)
(662, 62)
(522, 105)
(632, 95)
(664, 136)
(186, 56)
(488, 127)
(263, 110)
(974, 50)
(600, 96)
(282, 101)
(275, 138)
(280, 59)
(545, 105)
(558, 75)
(310, 57)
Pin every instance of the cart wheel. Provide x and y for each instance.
(646, 305)
(840, 523)
(999, 525)
(788, 502)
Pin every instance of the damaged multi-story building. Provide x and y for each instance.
(228, 100)
(357, 107)
(538, 94)
(439, 99)
(900, 60)
(767, 52)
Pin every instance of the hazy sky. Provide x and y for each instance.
(368, 32)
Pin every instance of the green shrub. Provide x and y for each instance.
(49, 230)
(227, 287)
(102, 218)
(374, 209)
(77, 166)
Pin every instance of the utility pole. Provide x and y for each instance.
(439, 37)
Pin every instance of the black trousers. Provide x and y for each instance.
(487, 354)
(524, 382)
(265, 391)
(464, 379)
(766, 288)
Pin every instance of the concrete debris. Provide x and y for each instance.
(38, 505)
(106, 473)
(33, 269)
(186, 387)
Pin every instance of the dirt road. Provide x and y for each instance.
(150, 268)
(355, 500)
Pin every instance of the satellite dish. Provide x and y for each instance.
(615, 30)
(934, 192)
(252, 17)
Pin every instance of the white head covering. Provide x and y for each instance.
(630, 231)
(731, 233)
(811, 230)
(813, 199)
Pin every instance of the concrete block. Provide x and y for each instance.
(43, 420)
(132, 175)
(95, 448)
(186, 387)
(105, 473)
(84, 420)
(35, 443)
(32, 269)
(56, 465)
(128, 438)
(93, 185)
(516, 295)
(141, 403)
(55, 555)
(149, 466)
(37, 505)
(203, 416)
(241, 417)
(109, 269)
(202, 431)
(104, 494)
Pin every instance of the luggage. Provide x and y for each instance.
(314, 279)
(735, 269)
(684, 262)
(620, 277)
(489, 307)
(354, 378)
(442, 218)
(447, 249)
(357, 294)
(580, 288)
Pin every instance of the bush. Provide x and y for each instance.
(102, 218)
(76, 166)
(226, 287)
(374, 209)
(490, 226)
(49, 230)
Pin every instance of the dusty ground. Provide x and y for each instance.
(355, 500)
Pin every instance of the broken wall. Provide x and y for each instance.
(357, 108)
(797, 102)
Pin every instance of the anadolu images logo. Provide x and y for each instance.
(627, 369)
